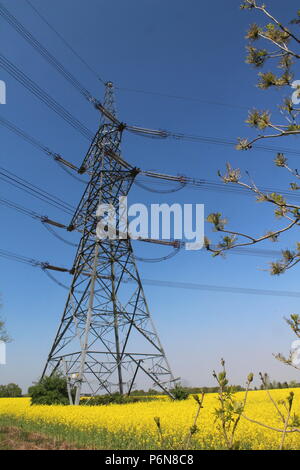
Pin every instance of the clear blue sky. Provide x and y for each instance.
(190, 48)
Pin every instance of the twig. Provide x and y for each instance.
(193, 428)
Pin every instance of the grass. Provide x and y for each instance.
(21, 434)
(16, 438)
(18, 434)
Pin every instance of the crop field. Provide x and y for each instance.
(134, 426)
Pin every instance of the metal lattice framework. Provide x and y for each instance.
(106, 336)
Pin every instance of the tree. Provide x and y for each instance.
(10, 391)
(50, 391)
(281, 44)
(179, 392)
(281, 49)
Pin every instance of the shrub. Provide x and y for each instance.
(179, 392)
(114, 398)
(50, 391)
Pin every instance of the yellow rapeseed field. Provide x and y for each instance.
(137, 419)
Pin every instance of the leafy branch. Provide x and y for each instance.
(229, 412)
(290, 424)
(283, 210)
(281, 44)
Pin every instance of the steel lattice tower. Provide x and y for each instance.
(106, 336)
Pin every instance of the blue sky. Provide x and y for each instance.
(193, 49)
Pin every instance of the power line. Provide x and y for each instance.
(34, 187)
(54, 62)
(132, 90)
(182, 98)
(238, 250)
(217, 288)
(200, 184)
(126, 89)
(35, 191)
(164, 134)
(55, 156)
(19, 258)
(163, 191)
(19, 132)
(19, 208)
(45, 53)
(181, 136)
(44, 219)
(65, 42)
(31, 86)
(172, 284)
(215, 186)
(50, 230)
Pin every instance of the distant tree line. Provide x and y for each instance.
(274, 384)
(10, 391)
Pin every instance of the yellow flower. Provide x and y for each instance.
(175, 418)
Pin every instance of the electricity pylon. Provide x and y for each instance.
(106, 336)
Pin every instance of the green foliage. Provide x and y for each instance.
(10, 391)
(276, 34)
(243, 144)
(256, 57)
(277, 268)
(280, 212)
(258, 119)
(216, 219)
(269, 79)
(253, 32)
(280, 160)
(232, 175)
(287, 106)
(206, 243)
(114, 398)
(50, 391)
(227, 242)
(248, 5)
(273, 237)
(294, 323)
(289, 258)
(296, 20)
(229, 411)
(288, 255)
(179, 392)
(296, 215)
(295, 421)
(285, 62)
(277, 198)
(293, 127)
